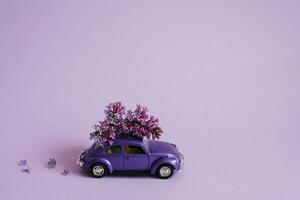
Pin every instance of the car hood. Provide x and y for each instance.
(92, 150)
(161, 147)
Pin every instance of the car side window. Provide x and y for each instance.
(132, 149)
(114, 149)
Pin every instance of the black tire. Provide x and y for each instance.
(164, 171)
(98, 170)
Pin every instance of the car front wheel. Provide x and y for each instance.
(98, 170)
(165, 171)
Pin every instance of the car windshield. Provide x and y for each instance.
(96, 147)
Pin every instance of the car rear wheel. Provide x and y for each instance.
(98, 170)
(165, 171)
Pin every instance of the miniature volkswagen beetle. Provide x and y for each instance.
(129, 153)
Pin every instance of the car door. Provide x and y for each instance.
(136, 157)
(115, 156)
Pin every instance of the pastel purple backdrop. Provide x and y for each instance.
(222, 76)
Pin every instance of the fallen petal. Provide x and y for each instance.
(65, 172)
(22, 162)
(26, 170)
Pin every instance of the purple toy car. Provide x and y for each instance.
(129, 153)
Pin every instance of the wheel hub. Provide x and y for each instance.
(165, 171)
(98, 170)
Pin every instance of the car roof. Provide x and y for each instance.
(128, 139)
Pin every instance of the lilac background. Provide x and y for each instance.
(222, 76)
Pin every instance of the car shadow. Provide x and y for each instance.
(133, 174)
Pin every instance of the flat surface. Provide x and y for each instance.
(222, 76)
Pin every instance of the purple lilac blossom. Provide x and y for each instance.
(106, 131)
(116, 122)
(139, 124)
(51, 163)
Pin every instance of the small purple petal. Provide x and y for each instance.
(22, 162)
(26, 170)
(65, 172)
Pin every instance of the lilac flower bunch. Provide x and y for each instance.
(106, 130)
(117, 122)
(138, 123)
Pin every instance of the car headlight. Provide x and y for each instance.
(81, 155)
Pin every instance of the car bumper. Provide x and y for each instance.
(182, 164)
(80, 161)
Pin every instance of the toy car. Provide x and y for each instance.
(132, 154)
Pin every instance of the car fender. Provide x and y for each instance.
(104, 161)
(161, 161)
